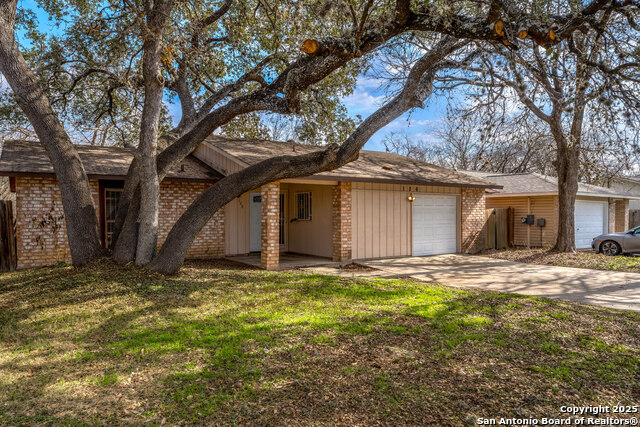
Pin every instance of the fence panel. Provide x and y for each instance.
(490, 228)
(634, 218)
(497, 228)
(502, 235)
(8, 254)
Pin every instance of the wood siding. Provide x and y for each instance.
(541, 207)
(381, 218)
(216, 160)
(310, 237)
(305, 237)
(237, 226)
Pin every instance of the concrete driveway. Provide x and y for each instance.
(609, 289)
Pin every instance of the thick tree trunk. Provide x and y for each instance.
(567, 168)
(147, 242)
(417, 88)
(77, 202)
(568, 161)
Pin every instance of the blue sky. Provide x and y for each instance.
(418, 124)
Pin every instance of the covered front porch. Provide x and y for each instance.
(295, 223)
(287, 261)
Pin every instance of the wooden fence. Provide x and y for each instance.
(8, 254)
(499, 228)
(634, 218)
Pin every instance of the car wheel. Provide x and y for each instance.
(610, 247)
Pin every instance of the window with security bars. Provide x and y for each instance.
(111, 203)
(282, 218)
(303, 206)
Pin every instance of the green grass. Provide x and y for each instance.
(220, 345)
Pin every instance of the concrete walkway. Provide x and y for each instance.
(604, 288)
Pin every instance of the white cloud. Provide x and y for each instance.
(362, 102)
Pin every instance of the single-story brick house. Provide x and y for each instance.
(40, 229)
(597, 210)
(382, 205)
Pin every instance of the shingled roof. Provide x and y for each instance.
(371, 166)
(535, 183)
(29, 158)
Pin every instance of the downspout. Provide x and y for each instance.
(529, 227)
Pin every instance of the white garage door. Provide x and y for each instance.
(590, 220)
(434, 225)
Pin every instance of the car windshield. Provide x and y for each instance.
(634, 230)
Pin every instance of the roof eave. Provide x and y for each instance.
(347, 178)
(104, 177)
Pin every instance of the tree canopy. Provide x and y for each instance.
(240, 66)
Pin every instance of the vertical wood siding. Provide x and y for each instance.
(305, 237)
(541, 207)
(381, 218)
(237, 225)
(213, 158)
(313, 237)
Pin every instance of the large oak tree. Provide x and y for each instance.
(227, 60)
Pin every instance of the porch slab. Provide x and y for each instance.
(287, 261)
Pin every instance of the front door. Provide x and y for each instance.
(255, 222)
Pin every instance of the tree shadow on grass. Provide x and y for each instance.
(230, 346)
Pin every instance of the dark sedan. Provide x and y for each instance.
(626, 242)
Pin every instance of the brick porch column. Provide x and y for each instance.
(270, 232)
(342, 222)
(472, 207)
(622, 215)
(612, 217)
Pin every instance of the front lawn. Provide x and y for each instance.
(580, 259)
(221, 345)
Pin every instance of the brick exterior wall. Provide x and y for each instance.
(41, 232)
(472, 219)
(39, 199)
(622, 215)
(175, 198)
(342, 222)
(612, 217)
(270, 230)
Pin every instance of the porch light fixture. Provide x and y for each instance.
(411, 197)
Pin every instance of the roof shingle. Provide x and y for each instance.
(371, 166)
(531, 182)
(30, 158)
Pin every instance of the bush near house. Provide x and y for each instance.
(221, 345)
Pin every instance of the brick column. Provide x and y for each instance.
(622, 215)
(612, 217)
(472, 217)
(342, 222)
(270, 232)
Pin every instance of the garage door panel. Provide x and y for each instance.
(434, 225)
(590, 221)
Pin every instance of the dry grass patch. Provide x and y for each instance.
(580, 259)
(221, 345)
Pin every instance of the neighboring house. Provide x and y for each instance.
(381, 205)
(629, 186)
(597, 210)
